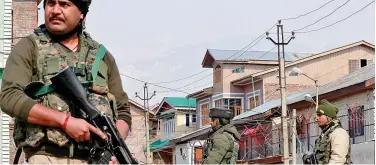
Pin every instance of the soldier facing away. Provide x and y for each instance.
(222, 146)
(333, 144)
(46, 127)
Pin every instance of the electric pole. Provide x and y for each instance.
(146, 108)
(282, 83)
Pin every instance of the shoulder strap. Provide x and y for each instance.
(17, 156)
(98, 58)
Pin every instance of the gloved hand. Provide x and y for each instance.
(307, 159)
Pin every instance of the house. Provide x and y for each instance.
(353, 94)
(136, 140)
(176, 116)
(325, 67)
(244, 84)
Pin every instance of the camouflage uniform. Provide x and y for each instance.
(50, 58)
(222, 146)
(333, 144)
(324, 150)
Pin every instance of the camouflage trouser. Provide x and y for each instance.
(44, 159)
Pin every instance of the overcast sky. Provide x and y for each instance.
(166, 40)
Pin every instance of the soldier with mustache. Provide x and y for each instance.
(47, 128)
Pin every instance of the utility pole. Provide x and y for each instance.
(282, 83)
(146, 108)
(293, 136)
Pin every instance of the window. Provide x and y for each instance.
(356, 64)
(356, 121)
(187, 120)
(218, 74)
(193, 118)
(254, 101)
(233, 104)
(169, 126)
(363, 62)
(219, 103)
(205, 120)
(238, 70)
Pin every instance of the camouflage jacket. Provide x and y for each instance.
(333, 145)
(49, 59)
(222, 146)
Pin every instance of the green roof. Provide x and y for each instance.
(181, 102)
(157, 144)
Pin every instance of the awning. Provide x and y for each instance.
(157, 144)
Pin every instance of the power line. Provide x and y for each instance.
(308, 12)
(337, 21)
(152, 84)
(225, 59)
(323, 17)
(165, 82)
(171, 89)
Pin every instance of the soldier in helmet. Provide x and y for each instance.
(333, 145)
(47, 128)
(222, 146)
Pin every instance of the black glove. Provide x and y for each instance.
(307, 159)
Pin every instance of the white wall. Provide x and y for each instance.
(188, 151)
(186, 156)
(363, 153)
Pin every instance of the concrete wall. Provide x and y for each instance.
(181, 128)
(229, 76)
(183, 154)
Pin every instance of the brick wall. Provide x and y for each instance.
(25, 18)
(272, 94)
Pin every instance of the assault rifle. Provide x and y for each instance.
(67, 84)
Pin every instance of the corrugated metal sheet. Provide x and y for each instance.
(266, 106)
(181, 102)
(253, 55)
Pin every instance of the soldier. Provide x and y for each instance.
(222, 146)
(44, 127)
(333, 144)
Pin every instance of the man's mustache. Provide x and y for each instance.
(56, 18)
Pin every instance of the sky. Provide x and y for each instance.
(164, 40)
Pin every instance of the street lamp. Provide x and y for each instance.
(295, 72)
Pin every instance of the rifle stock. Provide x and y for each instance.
(67, 84)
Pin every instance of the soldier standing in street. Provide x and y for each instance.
(333, 144)
(222, 146)
(44, 128)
